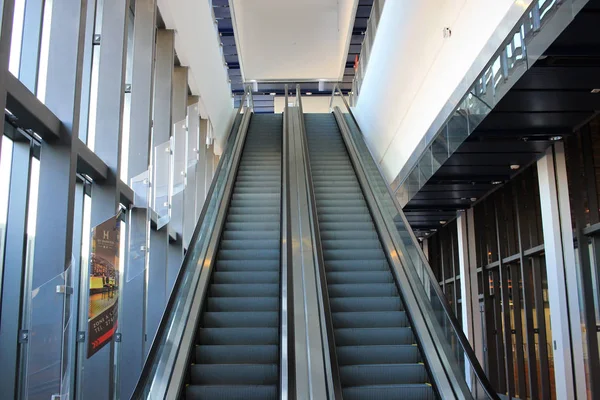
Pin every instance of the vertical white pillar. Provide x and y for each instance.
(471, 316)
(565, 321)
(426, 248)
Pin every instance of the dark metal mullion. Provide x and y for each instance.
(507, 328)
(527, 303)
(586, 283)
(538, 294)
(453, 255)
(590, 175)
(500, 358)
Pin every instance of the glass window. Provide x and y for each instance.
(5, 169)
(17, 37)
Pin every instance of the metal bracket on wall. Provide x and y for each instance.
(64, 289)
(118, 337)
(81, 336)
(97, 39)
(23, 336)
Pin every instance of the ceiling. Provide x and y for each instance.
(303, 29)
(550, 99)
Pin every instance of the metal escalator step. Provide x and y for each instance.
(349, 217)
(252, 226)
(238, 336)
(255, 235)
(246, 277)
(359, 277)
(237, 319)
(373, 336)
(356, 265)
(248, 254)
(249, 244)
(234, 374)
(346, 226)
(389, 392)
(235, 392)
(240, 354)
(383, 374)
(244, 290)
(357, 304)
(349, 235)
(247, 265)
(397, 354)
(362, 290)
(370, 319)
(242, 304)
(351, 254)
(256, 217)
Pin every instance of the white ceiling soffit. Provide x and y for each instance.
(197, 46)
(291, 39)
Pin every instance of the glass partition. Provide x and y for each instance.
(433, 305)
(161, 182)
(180, 142)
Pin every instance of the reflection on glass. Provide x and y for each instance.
(44, 51)
(16, 39)
(5, 170)
(161, 182)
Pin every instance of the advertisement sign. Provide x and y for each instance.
(104, 284)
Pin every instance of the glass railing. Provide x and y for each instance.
(461, 364)
(158, 368)
(508, 64)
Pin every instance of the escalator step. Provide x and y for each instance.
(246, 277)
(219, 354)
(247, 265)
(396, 354)
(362, 290)
(242, 304)
(238, 336)
(253, 254)
(370, 319)
(241, 374)
(355, 304)
(373, 336)
(383, 374)
(244, 290)
(359, 277)
(389, 392)
(356, 265)
(236, 319)
(231, 392)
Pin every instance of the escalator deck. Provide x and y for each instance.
(237, 345)
(377, 354)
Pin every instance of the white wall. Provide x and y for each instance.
(197, 46)
(413, 70)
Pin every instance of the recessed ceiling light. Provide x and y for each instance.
(555, 138)
(496, 182)
(272, 93)
(515, 167)
(595, 91)
(473, 198)
(309, 93)
(442, 222)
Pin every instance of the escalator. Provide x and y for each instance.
(237, 348)
(376, 350)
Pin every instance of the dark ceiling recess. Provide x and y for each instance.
(548, 102)
(263, 101)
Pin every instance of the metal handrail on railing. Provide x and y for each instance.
(157, 374)
(429, 276)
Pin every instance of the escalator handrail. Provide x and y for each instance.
(151, 359)
(462, 340)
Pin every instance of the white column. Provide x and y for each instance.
(471, 316)
(565, 321)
